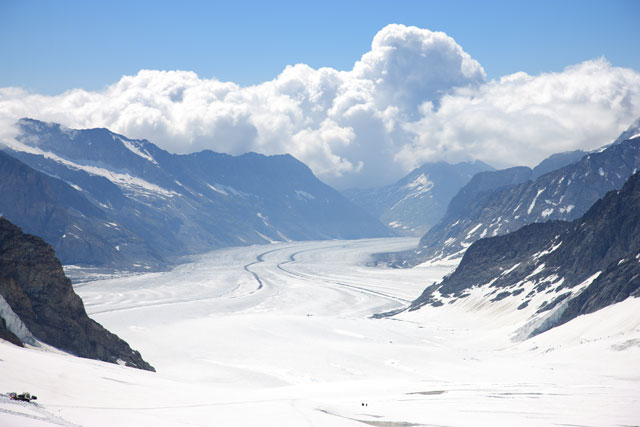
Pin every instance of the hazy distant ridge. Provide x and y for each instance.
(128, 203)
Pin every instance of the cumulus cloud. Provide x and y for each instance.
(409, 66)
(416, 96)
(521, 119)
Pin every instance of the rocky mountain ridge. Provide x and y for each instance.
(60, 214)
(416, 202)
(494, 203)
(555, 270)
(130, 204)
(38, 304)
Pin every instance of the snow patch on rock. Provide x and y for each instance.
(15, 324)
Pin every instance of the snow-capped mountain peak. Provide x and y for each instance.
(416, 202)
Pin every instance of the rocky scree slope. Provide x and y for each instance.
(555, 270)
(38, 304)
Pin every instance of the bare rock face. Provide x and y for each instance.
(33, 284)
(577, 267)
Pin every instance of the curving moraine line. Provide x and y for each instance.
(316, 279)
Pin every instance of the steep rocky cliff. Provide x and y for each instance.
(37, 302)
(557, 270)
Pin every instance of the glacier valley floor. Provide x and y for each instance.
(282, 335)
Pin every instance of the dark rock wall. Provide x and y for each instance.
(605, 239)
(34, 285)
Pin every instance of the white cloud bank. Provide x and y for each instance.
(416, 96)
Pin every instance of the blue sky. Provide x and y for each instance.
(51, 46)
(404, 83)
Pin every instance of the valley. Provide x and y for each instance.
(409, 214)
(282, 335)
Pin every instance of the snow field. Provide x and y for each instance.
(280, 335)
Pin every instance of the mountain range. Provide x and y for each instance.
(103, 199)
(555, 241)
(554, 270)
(416, 202)
(498, 202)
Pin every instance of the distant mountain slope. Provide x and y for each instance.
(485, 182)
(79, 230)
(418, 201)
(557, 161)
(633, 131)
(37, 303)
(492, 180)
(562, 194)
(181, 204)
(554, 270)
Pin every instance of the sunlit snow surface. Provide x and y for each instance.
(280, 335)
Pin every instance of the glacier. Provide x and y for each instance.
(282, 335)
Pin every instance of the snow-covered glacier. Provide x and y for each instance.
(283, 335)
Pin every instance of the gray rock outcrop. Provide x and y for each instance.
(34, 286)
